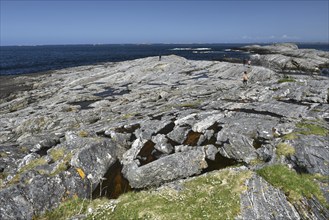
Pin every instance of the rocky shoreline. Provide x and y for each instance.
(145, 123)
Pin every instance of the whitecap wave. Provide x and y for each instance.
(208, 52)
(190, 48)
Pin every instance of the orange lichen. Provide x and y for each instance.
(81, 173)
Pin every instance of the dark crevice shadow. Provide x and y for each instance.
(113, 184)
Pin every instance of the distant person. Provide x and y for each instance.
(249, 63)
(159, 57)
(245, 78)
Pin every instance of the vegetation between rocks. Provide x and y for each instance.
(308, 128)
(294, 185)
(285, 149)
(286, 79)
(215, 195)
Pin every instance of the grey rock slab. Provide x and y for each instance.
(236, 146)
(179, 134)
(241, 131)
(263, 201)
(312, 209)
(150, 128)
(311, 154)
(165, 169)
(45, 193)
(95, 158)
(14, 204)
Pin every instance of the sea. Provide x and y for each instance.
(17, 60)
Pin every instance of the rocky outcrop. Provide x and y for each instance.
(287, 57)
(147, 122)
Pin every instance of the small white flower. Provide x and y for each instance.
(90, 176)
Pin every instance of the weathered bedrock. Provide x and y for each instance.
(152, 122)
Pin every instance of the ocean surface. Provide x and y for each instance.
(15, 60)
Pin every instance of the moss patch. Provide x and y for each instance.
(57, 154)
(290, 136)
(309, 128)
(294, 185)
(194, 104)
(286, 79)
(285, 149)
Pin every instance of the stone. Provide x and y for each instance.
(179, 134)
(311, 154)
(162, 144)
(95, 158)
(165, 169)
(210, 151)
(42, 189)
(263, 201)
(14, 204)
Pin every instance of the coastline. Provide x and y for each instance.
(150, 123)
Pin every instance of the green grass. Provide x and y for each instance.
(308, 128)
(285, 149)
(67, 209)
(286, 79)
(295, 186)
(3, 154)
(34, 163)
(290, 136)
(30, 166)
(57, 154)
(215, 196)
(212, 196)
(64, 163)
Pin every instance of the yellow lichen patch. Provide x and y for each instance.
(81, 173)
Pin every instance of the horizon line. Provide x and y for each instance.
(98, 44)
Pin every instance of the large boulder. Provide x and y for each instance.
(168, 168)
(94, 158)
(311, 154)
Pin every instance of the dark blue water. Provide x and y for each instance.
(33, 59)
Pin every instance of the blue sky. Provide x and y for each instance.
(28, 22)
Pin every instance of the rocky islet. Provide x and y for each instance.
(105, 129)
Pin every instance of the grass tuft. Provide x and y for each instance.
(66, 210)
(285, 149)
(312, 129)
(295, 186)
(57, 154)
(286, 79)
(290, 136)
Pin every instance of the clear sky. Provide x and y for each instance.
(28, 22)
